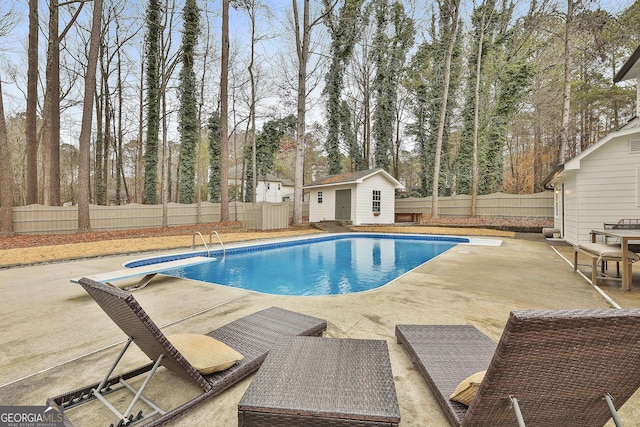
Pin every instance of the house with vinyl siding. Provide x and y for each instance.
(602, 183)
(364, 197)
(269, 188)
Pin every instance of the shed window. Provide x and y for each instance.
(376, 201)
(319, 197)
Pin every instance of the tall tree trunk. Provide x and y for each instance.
(164, 169)
(152, 57)
(108, 138)
(99, 171)
(6, 178)
(252, 111)
(31, 132)
(566, 93)
(455, 9)
(119, 172)
(476, 113)
(537, 155)
(366, 126)
(51, 163)
(224, 113)
(84, 223)
(139, 184)
(302, 49)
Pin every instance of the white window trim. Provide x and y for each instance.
(638, 186)
(377, 201)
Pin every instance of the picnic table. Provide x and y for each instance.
(625, 236)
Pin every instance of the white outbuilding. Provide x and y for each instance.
(364, 197)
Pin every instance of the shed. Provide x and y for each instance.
(364, 197)
(601, 184)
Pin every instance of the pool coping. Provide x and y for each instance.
(246, 246)
(251, 246)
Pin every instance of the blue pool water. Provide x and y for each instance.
(326, 266)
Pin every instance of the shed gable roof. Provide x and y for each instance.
(353, 178)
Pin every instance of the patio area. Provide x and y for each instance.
(55, 337)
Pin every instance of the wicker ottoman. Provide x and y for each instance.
(325, 382)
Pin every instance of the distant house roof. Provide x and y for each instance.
(630, 69)
(273, 178)
(236, 173)
(353, 178)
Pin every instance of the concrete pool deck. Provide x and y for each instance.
(55, 338)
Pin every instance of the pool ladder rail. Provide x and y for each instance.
(197, 233)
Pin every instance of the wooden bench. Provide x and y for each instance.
(601, 253)
(147, 271)
(408, 217)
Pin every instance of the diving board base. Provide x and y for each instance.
(147, 271)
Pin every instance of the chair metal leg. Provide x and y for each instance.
(138, 394)
(516, 409)
(612, 409)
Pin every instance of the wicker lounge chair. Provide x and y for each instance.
(550, 368)
(253, 336)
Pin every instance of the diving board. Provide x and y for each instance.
(148, 271)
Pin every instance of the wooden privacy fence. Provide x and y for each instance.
(267, 216)
(39, 219)
(539, 205)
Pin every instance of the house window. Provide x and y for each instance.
(279, 188)
(376, 201)
(319, 197)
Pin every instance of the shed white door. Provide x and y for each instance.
(343, 204)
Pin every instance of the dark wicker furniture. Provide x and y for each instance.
(324, 382)
(253, 336)
(558, 364)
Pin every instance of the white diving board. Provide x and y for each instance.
(148, 271)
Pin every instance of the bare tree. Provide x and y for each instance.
(84, 222)
(168, 63)
(251, 9)
(303, 43)
(52, 97)
(566, 95)
(224, 116)
(476, 110)
(6, 180)
(454, 12)
(139, 181)
(31, 134)
(51, 112)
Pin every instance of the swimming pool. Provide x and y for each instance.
(328, 265)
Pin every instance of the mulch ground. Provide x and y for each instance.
(23, 250)
(31, 240)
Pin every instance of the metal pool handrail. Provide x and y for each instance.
(197, 233)
(193, 241)
(224, 251)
